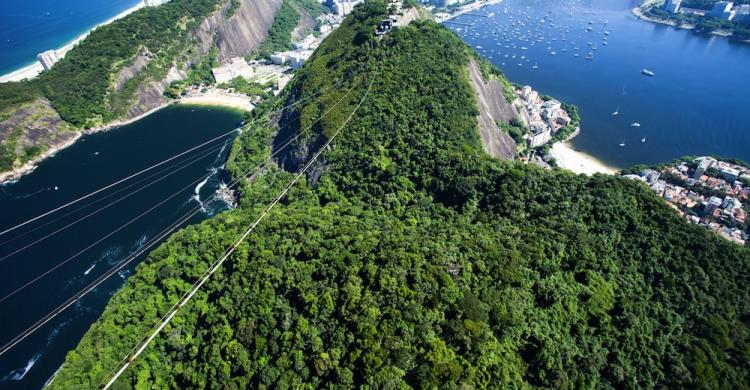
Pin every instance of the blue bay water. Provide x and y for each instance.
(695, 105)
(33, 26)
(91, 163)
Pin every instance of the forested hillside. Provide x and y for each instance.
(410, 258)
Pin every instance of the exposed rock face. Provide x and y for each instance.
(140, 61)
(235, 36)
(493, 108)
(305, 25)
(34, 124)
(241, 33)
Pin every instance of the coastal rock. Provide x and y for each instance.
(30, 133)
(493, 108)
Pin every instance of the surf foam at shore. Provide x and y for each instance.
(578, 162)
(33, 70)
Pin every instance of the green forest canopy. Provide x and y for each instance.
(417, 260)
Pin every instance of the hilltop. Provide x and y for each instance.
(410, 257)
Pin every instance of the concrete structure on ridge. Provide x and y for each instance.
(237, 67)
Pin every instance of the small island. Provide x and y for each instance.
(725, 18)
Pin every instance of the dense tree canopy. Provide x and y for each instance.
(411, 258)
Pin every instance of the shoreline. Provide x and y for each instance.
(470, 7)
(210, 99)
(215, 98)
(34, 69)
(638, 12)
(9, 177)
(567, 157)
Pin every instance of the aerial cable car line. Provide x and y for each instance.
(94, 284)
(211, 152)
(147, 169)
(130, 358)
(113, 184)
(293, 138)
(99, 200)
(110, 234)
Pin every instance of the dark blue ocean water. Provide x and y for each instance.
(28, 27)
(91, 163)
(695, 105)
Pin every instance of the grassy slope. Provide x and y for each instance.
(560, 280)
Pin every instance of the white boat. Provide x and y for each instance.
(617, 111)
(635, 124)
(536, 66)
(647, 72)
(643, 140)
(622, 144)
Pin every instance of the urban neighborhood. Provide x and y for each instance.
(706, 191)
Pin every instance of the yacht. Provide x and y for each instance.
(647, 72)
(622, 144)
(635, 124)
(617, 111)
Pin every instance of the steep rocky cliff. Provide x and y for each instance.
(233, 36)
(493, 108)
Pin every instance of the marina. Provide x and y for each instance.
(598, 55)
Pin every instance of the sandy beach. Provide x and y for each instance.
(578, 162)
(219, 98)
(33, 70)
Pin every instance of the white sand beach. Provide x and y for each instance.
(219, 98)
(578, 162)
(33, 70)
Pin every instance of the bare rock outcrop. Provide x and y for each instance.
(33, 131)
(234, 36)
(140, 61)
(241, 33)
(493, 108)
(305, 25)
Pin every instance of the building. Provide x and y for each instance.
(713, 204)
(731, 203)
(47, 59)
(153, 3)
(278, 58)
(551, 109)
(528, 94)
(672, 6)
(742, 12)
(305, 43)
(237, 67)
(722, 10)
(344, 7)
(730, 174)
(650, 176)
(540, 135)
(702, 166)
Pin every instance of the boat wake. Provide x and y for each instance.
(17, 375)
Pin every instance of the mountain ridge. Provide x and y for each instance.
(414, 259)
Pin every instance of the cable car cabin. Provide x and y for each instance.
(384, 27)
